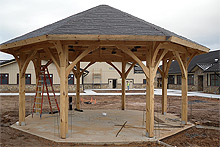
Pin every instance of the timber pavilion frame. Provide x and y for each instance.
(67, 51)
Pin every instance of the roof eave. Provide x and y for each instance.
(103, 37)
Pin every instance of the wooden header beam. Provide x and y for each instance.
(103, 37)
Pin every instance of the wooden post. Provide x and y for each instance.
(123, 103)
(78, 86)
(150, 97)
(63, 56)
(21, 98)
(183, 63)
(164, 95)
(164, 89)
(37, 66)
(184, 93)
(23, 61)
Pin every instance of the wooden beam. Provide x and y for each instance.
(188, 44)
(150, 96)
(164, 88)
(123, 102)
(22, 58)
(184, 92)
(27, 61)
(160, 57)
(48, 63)
(37, 67)
(127, 72)
(63, 93)
(91, 63)
(156, 47)
(128, 52)
(181, 64)
(119, 72)
(82, 55)
(54, 59)
(191, 57)
(78, 86)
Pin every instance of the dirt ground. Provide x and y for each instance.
(202, 111)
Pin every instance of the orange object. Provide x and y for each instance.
(91, 100)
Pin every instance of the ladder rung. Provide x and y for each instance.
(39, 86)
(38, 97)
(37, 108)
(41, 81)
(39, 91)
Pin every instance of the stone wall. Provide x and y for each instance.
(32, 88)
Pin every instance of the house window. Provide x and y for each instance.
(214, 79)
(71, 79)
(171, 79)
(4, 78)
(144, 81)
(190, 79)
(179, 79)
(27, 79)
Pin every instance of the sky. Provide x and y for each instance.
(198, 20)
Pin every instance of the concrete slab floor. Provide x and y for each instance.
(94, 127)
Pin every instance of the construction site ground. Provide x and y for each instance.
(201, 111)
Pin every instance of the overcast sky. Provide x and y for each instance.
(198, 20)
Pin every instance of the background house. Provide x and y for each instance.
(203, 74)
(99, 75)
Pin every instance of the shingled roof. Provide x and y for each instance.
(206, 62)
(100, 20)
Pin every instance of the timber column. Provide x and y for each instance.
(184, 92)
(150, 97)
(164, 88)
(63, 56)
(123, 103)
(78, 86)
(21, 98)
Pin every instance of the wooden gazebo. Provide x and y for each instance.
(103, 34)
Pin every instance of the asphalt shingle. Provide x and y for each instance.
(100, 20)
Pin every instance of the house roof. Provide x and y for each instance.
(206, 62)
(101, 20)
(6, 62)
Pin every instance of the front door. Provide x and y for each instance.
(200, 83)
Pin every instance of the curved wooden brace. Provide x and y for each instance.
(50, 55)
(191, 57)
(82, 55)
(157, 48)
(16, 58)
(24, 66)
(132, 55)
(59, 48)
(168, 67)
(119, 72)
(49, 62)
(127, 72)
(161, 72)
(91, 63)
(181, 64)
(158, 60)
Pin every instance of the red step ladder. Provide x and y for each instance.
(42, 82)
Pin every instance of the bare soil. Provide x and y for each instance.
(204, 111)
